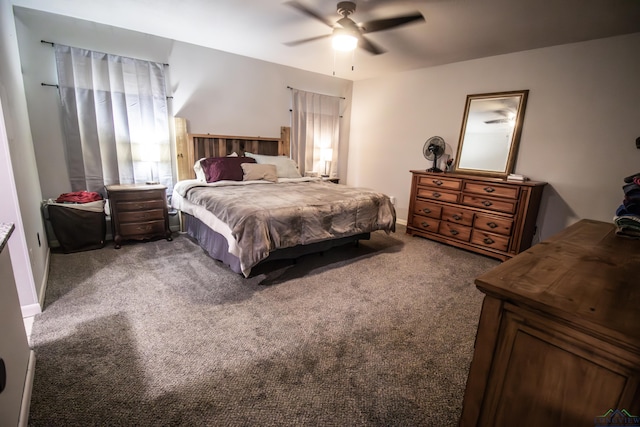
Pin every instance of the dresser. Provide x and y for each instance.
(491, 216)
(558, 340)
(138, 212)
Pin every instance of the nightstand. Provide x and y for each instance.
(334, 180)
(138, 212)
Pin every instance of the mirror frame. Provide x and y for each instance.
(515, 138)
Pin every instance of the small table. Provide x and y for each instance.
(138, 212)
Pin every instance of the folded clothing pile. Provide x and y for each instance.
(627, 217)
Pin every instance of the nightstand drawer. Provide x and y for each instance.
(142, 228)
(140, 205)
(140, 193)
(141, 216)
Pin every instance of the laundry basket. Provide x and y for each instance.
(77, 226)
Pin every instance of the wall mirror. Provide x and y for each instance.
(490, 133)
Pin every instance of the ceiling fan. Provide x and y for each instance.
(345, 26)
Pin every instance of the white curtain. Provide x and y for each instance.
(115, 119)
(315, 130)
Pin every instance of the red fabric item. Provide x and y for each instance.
(79, 197)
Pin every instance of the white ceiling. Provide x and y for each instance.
(455, 30)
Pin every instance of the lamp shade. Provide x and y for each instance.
(344, 40)
(326, 154)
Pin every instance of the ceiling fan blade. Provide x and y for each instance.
(369, 47)
(309, 12)
(388, 23)
(310, 39)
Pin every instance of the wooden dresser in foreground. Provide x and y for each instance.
(491, 216)
(558, 342)
(138, 212)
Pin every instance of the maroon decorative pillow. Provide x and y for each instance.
(224, 168)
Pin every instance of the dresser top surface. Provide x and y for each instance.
(442, 175)
(584, 273)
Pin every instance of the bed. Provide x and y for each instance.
(246, 207)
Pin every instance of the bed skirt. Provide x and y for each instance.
(217, 247)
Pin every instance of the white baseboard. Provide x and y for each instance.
(33, 309)
(30, 310)
(401, 221)
(28, 388)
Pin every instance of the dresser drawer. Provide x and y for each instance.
(494, 241)
(141, 216)
(456, 231)
(142, 228)
(500, 205)
(446, 183)
(491, 189)
(140, 205)
(437, 194)
(493, 224)
(425, 223)
(427, 209)
(458, 215)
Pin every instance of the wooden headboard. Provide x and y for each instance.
(191, 146)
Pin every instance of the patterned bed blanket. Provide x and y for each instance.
(265, 217)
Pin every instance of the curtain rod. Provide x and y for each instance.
(56, 86)
(53, 44)
(341, 97)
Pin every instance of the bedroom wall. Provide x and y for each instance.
(217, 92)
(580, 126)
(19, 189)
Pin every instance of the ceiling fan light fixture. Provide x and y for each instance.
(343, 40)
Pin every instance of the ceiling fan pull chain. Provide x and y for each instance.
(334, 62)
(353, 59)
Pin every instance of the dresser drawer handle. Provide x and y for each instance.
(492, 224)
(437, 182)
(454, 232)
(424, 224)
(487, 203)
(457, 217)
(144, 228)
(437, 195)
(489, 189)
(487, 241)
(426, 210)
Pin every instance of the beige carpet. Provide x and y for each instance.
(159, 334)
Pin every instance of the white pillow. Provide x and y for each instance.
(197, 168)
(200, 176)
(286, 167)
